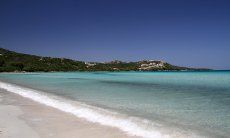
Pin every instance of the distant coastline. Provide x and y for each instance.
(11, 61)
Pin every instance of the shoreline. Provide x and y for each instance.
(196, 70)
(37, 120)
(50, 110)
(85, 112)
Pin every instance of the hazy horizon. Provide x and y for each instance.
(184, 33)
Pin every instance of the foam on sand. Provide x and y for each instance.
(131, 125)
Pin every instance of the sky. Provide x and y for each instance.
(192, 33)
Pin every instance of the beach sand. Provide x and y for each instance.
(23, 118)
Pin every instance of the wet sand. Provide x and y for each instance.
(23, 118)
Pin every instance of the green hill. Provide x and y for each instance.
(12, 61)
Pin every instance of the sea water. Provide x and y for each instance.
(145, 104)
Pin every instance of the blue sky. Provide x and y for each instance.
(193, 33)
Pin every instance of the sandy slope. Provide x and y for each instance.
(23, 118)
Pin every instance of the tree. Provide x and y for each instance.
(18, 65)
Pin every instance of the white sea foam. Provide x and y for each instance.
(129, 125)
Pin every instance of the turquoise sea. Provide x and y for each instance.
(146, 104)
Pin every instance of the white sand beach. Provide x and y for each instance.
(24, 118)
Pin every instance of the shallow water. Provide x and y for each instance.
(186, 102)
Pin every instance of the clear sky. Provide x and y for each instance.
(193, 33)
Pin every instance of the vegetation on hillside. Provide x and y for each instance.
(11, 61)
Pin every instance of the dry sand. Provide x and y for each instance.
(24, 118)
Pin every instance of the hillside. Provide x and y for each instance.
(12, 61)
